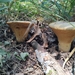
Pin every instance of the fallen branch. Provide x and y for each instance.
(49, 64)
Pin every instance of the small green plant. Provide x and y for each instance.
(22, 55)
(4, 56)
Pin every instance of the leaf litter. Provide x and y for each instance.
(16, 64)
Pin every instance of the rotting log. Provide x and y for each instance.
(49, 64)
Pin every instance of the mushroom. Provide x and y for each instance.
(65, 31)
(20, 29)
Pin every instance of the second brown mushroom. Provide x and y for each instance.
(65, 31)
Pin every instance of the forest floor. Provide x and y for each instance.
(11, 62)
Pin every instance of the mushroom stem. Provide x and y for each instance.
(63, 46)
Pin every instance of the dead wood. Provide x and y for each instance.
(44, 37)
(49, 64)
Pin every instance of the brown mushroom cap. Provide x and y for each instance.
(65, 31)
(19, 28)
(63, 25)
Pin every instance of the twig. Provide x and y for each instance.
(72, 52)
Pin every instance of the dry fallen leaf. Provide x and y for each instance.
(19, 74)
(37, 32)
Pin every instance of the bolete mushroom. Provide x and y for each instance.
(20, 29)
(65, 31)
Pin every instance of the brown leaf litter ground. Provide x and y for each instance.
(16, 66)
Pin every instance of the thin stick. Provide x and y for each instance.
(72, 52)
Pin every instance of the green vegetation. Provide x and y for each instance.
(48, 9)
(7, 55)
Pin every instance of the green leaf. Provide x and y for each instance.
(22, 0)
(1, 43)
(3, 8)
(8, 55)
(18, 57)
(2, 52)
(15, 53)
(4, 56)
(7, 42)
(1, 61)
(2, 1)
(24, 55)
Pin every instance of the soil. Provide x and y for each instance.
(30, 66)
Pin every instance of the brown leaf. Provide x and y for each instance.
(37, 32)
